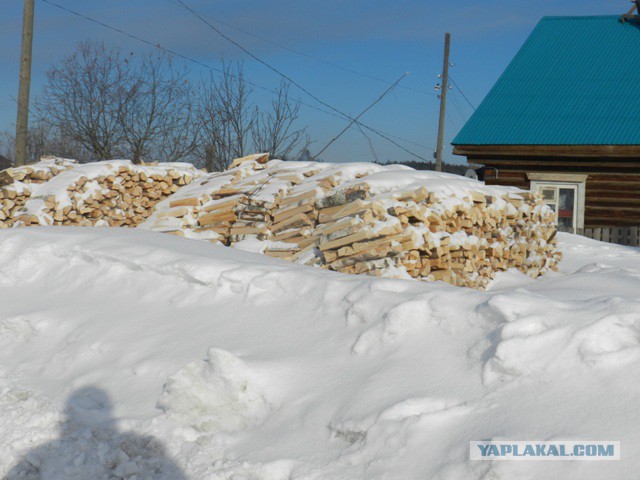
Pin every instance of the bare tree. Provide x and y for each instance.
(274, 129)
(110, 105)
(181, 141)
(157, 110)
(226, 117)
(7, 142)
(38, 141)
(42, 139)
(60, 145)
(83, 98)
(118, 105)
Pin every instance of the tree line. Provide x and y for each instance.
(100, 103)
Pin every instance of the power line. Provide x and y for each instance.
(377, 132)
(453, 123)
(384, 94)
(262, 62)
(339, 114)
(373, 150)
(461, 93)
(458, 107)
(147, 42)
(285, 76)
(307, 55)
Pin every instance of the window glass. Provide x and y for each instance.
(549, 193)
(567, 198)
(562, 198)
(566, 209)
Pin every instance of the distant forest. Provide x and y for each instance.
(446, 167)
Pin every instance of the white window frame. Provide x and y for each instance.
(566, 180)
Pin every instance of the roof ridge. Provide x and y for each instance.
(580, 17)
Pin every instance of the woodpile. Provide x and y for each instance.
(355, 218)
(62, 192)
(367, 219)
(16, 184)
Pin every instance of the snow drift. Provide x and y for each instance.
(131, 354)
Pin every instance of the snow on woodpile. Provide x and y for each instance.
(16, 184)
(63, 192)
(363, 218)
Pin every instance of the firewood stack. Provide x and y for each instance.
(116, 193)
(367, 219)
(16, 184)
(462, 241)
(208, 207)
(352, 218)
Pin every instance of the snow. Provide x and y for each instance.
(58, 185)
(215, 395)
(133, 354)
(439, 183)
(391, 191)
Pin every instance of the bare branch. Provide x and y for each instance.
(157, 109)
(274, 130)
(83, 98)
(225, 117)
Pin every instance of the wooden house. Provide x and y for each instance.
(564, 118)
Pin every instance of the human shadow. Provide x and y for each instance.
(90, 446)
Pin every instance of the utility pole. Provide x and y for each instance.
(443, 101)
(22, 122)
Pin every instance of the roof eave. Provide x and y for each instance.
(549, 150)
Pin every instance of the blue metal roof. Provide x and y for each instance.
(575, 81)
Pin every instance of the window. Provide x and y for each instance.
(562, 200)
(564, 193)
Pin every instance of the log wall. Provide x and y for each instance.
(612, 194)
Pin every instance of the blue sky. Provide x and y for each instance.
(383, 39)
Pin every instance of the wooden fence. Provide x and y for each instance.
(621, 235)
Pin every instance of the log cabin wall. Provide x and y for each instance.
(612, 193)
(568, 103)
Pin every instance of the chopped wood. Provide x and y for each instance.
(294, 232)
(258, 158)
(174, 212)
(185, 202)
(357, 237)
(299, 220)
(322, 215)
(290, 212)
(308, 196)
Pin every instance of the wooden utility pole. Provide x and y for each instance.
(22, 122)
(443, 101)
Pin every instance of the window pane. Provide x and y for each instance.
(567, 197)
(549, 193)
(566, 211)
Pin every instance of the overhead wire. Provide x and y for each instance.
(355, 120)
(281, 74)
(307, 55)
(373, 150)
(458, 107)
(461, 93)
(338, 114)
